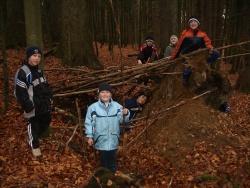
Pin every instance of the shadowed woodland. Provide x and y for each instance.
(179, 139)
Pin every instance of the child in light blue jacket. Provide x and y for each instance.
(102, 125)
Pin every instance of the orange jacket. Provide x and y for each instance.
(186, 42)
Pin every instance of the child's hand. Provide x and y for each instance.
(125, 111)
(211, 50)
(90, 141)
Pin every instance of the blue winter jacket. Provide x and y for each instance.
(103, 124)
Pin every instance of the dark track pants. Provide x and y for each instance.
(36, 127)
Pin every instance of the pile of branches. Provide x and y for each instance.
(87, 81)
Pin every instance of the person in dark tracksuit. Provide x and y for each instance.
(35, 97)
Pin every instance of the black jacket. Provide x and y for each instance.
(32, 90)
(133, 107)
(147, 52)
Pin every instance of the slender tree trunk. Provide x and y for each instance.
(3, 16)
(52, 18)
(76, 42)
(164, 24)
(139, 22)
(33, 24)
(93, 20)
(15, 26)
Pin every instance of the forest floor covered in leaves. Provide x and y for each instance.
(191, 146)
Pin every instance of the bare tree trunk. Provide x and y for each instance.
(3, 16)
(33, 24)
(93, 20)
(52, 20)
(76, 42)
(15, 27)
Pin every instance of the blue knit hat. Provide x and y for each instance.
(32, 50)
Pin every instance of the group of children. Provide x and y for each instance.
(191, 39)
(103, 118)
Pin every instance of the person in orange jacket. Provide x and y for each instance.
(191, 39)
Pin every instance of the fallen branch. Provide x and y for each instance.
(233, 45)
(139, 135)
(170, 182)
(171, 73)
(65, 113)
(75, 93)
(72, 136)
(66, 69)
(62, 127)
(86, 91)
(235, 55)
(80, 123)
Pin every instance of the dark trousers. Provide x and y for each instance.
(108, 159)
(186, 74)
(36, 127)
(188, 71)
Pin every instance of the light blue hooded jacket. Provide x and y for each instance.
(103, 124)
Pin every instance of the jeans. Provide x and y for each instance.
(108, 159)
(213, 57)
(188, 71)
(186, 74)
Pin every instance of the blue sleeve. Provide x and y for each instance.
(89, 124)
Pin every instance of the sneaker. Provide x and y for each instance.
(224, 107)
(228, 109)
(36, 152)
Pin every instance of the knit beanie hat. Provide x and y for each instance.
(149, 38)
(32, 50)
(192, 18)
(104, 87)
